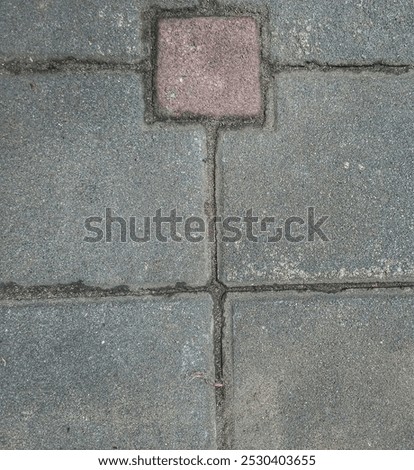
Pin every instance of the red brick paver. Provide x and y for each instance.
(209, 66)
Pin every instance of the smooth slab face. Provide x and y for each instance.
(343, 148)
(209, 66)
(125, 374)
(101, 30)
(75, 145)
(322, 371)
(351, 32)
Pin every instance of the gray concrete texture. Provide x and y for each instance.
(223, 365)
(322, 31)
(321, 371)
(125, 374)
(343, 143)
(339, 33)
(74, 145)
(100, 30)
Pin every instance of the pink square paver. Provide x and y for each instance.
(209, 66)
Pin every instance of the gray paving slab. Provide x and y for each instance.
(342, 148)
(321, 371)
(101, 30)
(74, 145)
(127, 374)
(351, 32)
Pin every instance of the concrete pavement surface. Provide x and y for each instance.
(207, 224)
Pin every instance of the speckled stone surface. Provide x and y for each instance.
(343, 145)
(331, 32)
(321, 371)
(111, 373)
(117, 335)
(75, 145)
(209, 67)
(98, 30)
